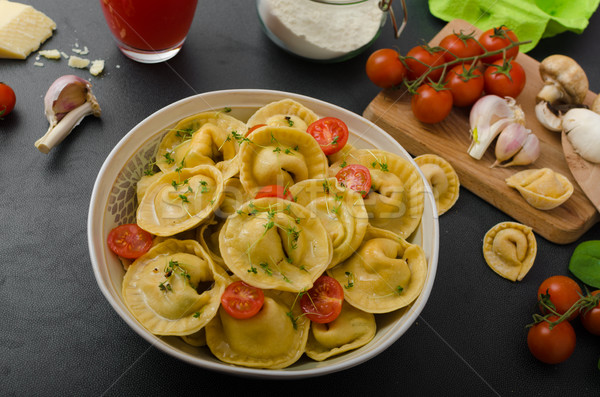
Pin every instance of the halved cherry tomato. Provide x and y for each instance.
(331, 133)
(431, 105)
(129, 241)
(7, 100)
(419, 59)
(561, 292)
(551, 346)
(461, 46)
(251, 129)
(241, 300)
(385, 69)
(496, 39)
(465, 84)
(591, 318)
(323, 302)
(274, 191)
(356, 177)
(504, 78)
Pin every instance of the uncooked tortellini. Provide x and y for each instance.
(543, 188)
(442, 178)
(509, 248)
(284, 113)
(174, 289)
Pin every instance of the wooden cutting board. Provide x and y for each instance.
(450, 139)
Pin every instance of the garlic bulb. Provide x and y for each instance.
(68, 100)
(488, 117)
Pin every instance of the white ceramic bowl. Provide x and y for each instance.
(113, 203)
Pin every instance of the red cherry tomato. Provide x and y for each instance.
(251, 129)
(356, 177)
(591, 318)
(331, 133)
(465, 84)
(551, 346)
(504, 78)
(323, 302)
(461, 46)
(497, 39)
(7, 100)
(274, 191)
(419, 59)
(241, 300)
(385, 69)
(430, 105)
(129, 241)
(563, 292)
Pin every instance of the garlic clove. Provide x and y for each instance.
(510, 141)
(528, 153)
(68, 100)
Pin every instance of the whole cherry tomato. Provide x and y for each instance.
(551, 345)
(561, 292)
(7, 100)
(323, 302)
(430, 105)
(129, 241)
(385, 69)
(591, 318)
(496, 39)
(331, 133)
(465, 83)
(241, 300)
(504, 78)
(420, 59)
(461, 46)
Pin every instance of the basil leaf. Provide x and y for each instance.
(585, 263)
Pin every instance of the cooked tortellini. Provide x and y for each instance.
(341, 211)
(283, 113)
(274, 338)
(280, 156)
(352, 329)
(509, 249)
(275, 244)
(180, 200)
(543, 188)
(205, 138)
(174, 289)
(386, 273)
(442, 178)
(396, 200)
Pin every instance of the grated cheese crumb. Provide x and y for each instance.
(50, 54)
(76, 62)
(39, 64)
(64, 54)
(97, 67)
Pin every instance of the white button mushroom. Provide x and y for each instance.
(564, 80)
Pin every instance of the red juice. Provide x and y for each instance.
(149, 25)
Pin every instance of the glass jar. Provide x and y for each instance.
(324, 30)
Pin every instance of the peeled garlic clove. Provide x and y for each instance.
(528, 153)
(68, 100)
(510, 141)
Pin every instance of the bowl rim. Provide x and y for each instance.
(96, 214)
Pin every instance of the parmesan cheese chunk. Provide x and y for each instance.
(97, 67)
(76, 62)
(50, 54)
(22, 29)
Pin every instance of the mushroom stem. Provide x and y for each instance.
(550, 94)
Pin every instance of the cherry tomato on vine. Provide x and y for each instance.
(323, 302)
(504, 78)
(331, 133)
(7, 100)
(241, 300)
(385, 69)
(129, 241)
(356, 177)
(461, 46)
(274, 191)
(418, 61)
(551, 346)
(465, 84)
(590, 319)
(563, 292)
(496, 39)
(430, 105)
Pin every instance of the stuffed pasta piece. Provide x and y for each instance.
(283, 113)
(385, 274)
(174, 289)
(276, 244)
(273, 338)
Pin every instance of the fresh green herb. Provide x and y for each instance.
(196, 315)
(399, 289)
(184, 198)
(350, 278)
(326, 186)
(335, 140)
(185, 133)
(585, 263)
(252, 269)
(344, 163)
(227, 109)
(170, 160)
(266, 269)
(277, 150)
(170, 268)
(290, 314)
(289, 121)
(204, 186)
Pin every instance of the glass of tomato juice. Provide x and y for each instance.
(149, 31)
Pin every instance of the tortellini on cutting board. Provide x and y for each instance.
(442, 178)
(283, 113)
(274, 338)
(385, 274)
(542, 188)
(174, 289)
(509, 249)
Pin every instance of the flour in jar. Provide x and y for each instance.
(320, 31)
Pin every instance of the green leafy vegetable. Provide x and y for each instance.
(585, 263)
